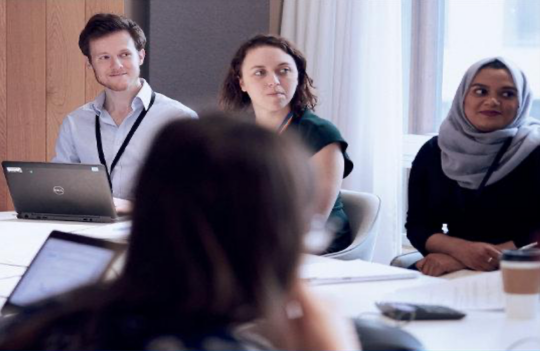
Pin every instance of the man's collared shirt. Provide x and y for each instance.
(77, 138)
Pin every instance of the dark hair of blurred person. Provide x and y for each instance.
(217, 233)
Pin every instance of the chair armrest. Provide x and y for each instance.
(406, 260)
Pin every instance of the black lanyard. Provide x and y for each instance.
(124, 144)
(494, 165)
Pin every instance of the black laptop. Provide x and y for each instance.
(60, 191)
(64, 262)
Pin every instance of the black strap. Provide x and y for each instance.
(124, 144)
(494, 165)
(285, 123)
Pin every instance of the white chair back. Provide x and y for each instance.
(363, 211)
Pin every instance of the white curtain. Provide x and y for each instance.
(353, 49)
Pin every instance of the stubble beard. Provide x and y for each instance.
(113, 87)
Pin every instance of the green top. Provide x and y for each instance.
(317, 133)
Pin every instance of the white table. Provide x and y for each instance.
(479, 330)
(21, 239)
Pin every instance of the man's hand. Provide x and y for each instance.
(122, 206)
(436, 264)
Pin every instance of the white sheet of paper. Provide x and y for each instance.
(20, 240)
(481, 291)
(336, 271)
(9, 276)
(7, 271)
(117, 231)
(8, 216)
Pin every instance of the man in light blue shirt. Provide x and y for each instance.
(117, 128)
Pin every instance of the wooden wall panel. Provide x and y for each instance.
(26, 79)
(65, 64)
(42, 74)
(93, 7)
(3, 102)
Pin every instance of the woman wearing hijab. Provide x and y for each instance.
(480, 176)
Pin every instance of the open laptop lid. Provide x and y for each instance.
(64, 262)
(60, 191)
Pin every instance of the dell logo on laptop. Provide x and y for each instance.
(58, 190)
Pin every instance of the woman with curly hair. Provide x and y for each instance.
(269, 74)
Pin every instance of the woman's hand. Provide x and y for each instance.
(479, 256)
(475, 255)
(315, 325)
(436, 264)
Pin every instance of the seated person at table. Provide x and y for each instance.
(269, 74)
(99, 132)
(204, 257)
(480, 176)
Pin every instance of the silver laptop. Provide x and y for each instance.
(64, 262)
(60, 191)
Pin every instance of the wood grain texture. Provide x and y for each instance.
(65, 64)
(26, 79)
(93, 7)
(42, 74)
(26, 106)
(3, 102)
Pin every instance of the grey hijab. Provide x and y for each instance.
(467, 153)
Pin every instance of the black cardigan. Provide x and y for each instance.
(506, 210)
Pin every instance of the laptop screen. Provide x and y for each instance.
(64, 262)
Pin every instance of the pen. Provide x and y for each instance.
(531, 245)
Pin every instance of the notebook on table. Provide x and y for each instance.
(60, 191)
(64, 262)
(332, 271)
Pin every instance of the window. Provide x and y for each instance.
(470, 31)
(522, 27)
(482, 28)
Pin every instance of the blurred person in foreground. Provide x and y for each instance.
(218, 229)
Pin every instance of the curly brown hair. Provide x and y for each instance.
(232, 97)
